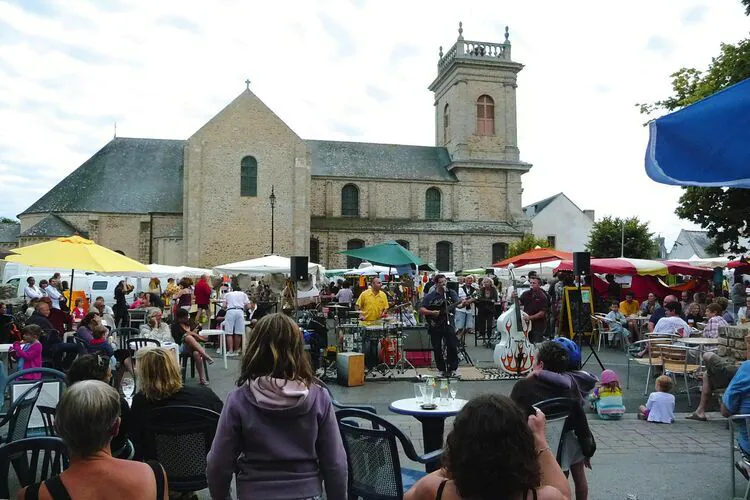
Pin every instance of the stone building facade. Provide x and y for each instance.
(205, 201)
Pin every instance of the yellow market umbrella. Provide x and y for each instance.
(75, 252)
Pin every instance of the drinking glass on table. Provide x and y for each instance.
(444, 392)
(419, 393)
(454, 390)
(429, 393)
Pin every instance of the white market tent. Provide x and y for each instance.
(164, 271)
(269, 264)
(709, 262)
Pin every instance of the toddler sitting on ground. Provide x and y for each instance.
(606, 399)
(660, 405)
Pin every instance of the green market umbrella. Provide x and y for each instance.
(388, 253)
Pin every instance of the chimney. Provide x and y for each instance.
(589, 214)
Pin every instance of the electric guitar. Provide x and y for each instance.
(445, 306)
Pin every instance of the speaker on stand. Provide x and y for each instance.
(582, 271)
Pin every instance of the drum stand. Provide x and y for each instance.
(403, 364)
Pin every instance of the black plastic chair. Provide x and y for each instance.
(556, 412)
(124, 333)
(19, 414)
(375, 471)
(184, 358)
(136, 343)
(48, 375)
(179, 438)
(34, 460)
(48, 416)
(342, 406)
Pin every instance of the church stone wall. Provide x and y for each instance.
(386, 199)
(221, 226)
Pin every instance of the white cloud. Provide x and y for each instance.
(349, 70)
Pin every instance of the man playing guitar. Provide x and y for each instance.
(436, 308)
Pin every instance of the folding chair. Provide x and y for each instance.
(743, 463)
(652, 361)
(674, 360)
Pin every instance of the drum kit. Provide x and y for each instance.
(382, 343)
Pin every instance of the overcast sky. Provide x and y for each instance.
(350, 70)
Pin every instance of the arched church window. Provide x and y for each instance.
(499, 252)
(432, 203)
(485, 115)
(354, 244)
(249, 176)
(403, 243)
(314, 250)
(446, 125)
(350, 201)
(444, 255)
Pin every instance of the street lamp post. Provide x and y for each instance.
(272, 199)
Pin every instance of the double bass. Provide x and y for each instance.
(514, 353)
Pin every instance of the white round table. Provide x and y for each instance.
(433, 421)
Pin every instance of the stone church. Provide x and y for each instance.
(206, 200)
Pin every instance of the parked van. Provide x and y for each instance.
(92, 285)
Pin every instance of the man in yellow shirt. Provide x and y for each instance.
(372, 303)
(630, 307)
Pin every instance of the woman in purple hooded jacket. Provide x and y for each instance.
(277, 431)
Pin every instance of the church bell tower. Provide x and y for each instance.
(475, 102)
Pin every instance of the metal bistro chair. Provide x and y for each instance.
(743, 463)
(51, 450)
(652, 361)
(19, 414)
(674, 359)
(556, 412)
(180, 437)
(137, 317)
(372, 457)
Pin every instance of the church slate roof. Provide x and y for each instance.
(52, 226)
(379, 161)
(126, 176)
(9, 232)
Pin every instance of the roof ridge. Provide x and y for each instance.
(374, 143)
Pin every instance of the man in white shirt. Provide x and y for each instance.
(235, 303)
(672, 322)
(31, 292)
(53, 293)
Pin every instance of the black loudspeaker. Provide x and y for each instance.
(581, 263)
(299, 268)
(452, 285)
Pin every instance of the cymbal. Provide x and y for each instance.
(338, 306)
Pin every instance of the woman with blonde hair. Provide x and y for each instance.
(278, 431)
(160, 385)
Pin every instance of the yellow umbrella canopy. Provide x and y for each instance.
(75, 252)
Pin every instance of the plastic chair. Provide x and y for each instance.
(123, 334)
(19, 414)
(184, 358)
(49, 375)
(48, 416)
(556, 412)
(136, 343)
(372, 457)
(180, 437)
(25, 456)
(342, 406)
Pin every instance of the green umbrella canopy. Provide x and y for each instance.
(388, 253)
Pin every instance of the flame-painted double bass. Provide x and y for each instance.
(514, 353)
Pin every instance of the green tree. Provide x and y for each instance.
(746, 3)
(606, 237)
(7, 220)
(528, 242)
(723, 212)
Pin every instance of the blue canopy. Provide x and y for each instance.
(704, 144)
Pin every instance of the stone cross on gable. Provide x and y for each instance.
(247, 84)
